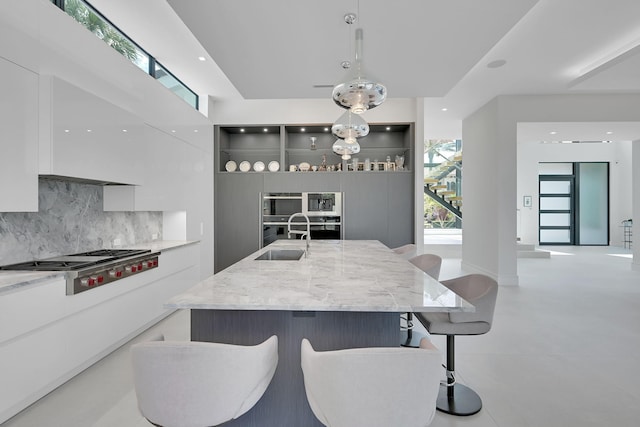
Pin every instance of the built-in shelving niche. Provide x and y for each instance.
(291, 145)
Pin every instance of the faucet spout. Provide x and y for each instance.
(305, 234)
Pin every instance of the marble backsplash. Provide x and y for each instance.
(70, 219)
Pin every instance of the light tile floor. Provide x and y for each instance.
(562, 352)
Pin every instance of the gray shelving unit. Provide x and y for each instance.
(377, 205)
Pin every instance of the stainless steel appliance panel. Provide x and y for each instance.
(324, 210)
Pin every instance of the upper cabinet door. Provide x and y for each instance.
(90, 138)
(18, 139)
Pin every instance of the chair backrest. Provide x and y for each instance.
(406, 251)
(372, 387)
(200, 383)
(479, 290)
(429, 263)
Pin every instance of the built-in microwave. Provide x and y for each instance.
(277, 207)
(322, 204)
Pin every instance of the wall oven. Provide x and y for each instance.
(322, 204)
(324, 210)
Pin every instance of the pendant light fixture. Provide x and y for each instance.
(359, 93)
(346, 149)
(350, 126)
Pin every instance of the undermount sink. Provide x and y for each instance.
(281, 255)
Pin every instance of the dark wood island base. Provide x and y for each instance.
(284, 404)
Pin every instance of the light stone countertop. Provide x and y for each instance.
(11, 281)
(338, 275)
(161, 245)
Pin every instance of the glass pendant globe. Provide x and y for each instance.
(341, 147)
(350, 126)
(359, 95)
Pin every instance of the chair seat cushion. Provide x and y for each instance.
(440, 324)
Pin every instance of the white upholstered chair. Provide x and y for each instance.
(371, 387)
(482, 292)
(198, 384)
(430, 264)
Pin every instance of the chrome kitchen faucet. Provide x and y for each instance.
(306, 234)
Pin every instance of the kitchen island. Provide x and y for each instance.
(341, 294)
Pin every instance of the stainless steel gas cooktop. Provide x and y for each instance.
(87, 270)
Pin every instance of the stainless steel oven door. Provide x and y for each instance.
(281, 204)
(322, 204)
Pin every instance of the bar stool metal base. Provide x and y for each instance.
(458, 400)
(409, 338)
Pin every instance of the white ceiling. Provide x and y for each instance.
(439, 50)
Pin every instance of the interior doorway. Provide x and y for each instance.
(574, 203)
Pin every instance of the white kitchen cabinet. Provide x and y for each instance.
(18, 139)
(172, 169)
(47, 337)
(86, 137)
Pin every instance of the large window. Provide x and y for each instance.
(95, 22)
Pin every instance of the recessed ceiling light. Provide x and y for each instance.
(326, 129)
(388, 127)
(88, 130)
(445, 109)
(265, 130)
(496, 64)
(553, 132)
(195, 130)
(202, 58)
(302, 129)
(124, 130)
(66, 130)
(173, 130)
(609, 133)
(242, 130)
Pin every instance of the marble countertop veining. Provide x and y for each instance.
(338, 275)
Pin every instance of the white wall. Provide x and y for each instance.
(303, 111)
(618, 154)
(489, 220)
(489, 232)
(636, 201)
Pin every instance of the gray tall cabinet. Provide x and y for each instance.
(378, 204)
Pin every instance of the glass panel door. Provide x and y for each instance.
(574, 209)
(556, 210)
(593, 203)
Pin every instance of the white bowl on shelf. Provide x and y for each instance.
(231, 166)
(245, 166)
(258, 166)
(274, 166)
